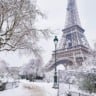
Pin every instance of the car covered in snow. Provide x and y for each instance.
(2, 85)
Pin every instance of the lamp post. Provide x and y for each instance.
(94, 86)
(55, 85)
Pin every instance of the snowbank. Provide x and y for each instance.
(31, 89)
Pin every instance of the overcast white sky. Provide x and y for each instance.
(55, 11)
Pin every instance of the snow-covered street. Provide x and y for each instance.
(27, 88)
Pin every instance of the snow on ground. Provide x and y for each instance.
(27, 88)
(73, 89)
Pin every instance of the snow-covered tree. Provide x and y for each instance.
(33, 68)
(88, 83)
(3, 66)
(3, 71)
(89, 65)
(17, 25)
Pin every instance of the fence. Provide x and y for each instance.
(73, 94)
(64, 90)
(11, 85)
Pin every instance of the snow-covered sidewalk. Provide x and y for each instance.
(27, 88)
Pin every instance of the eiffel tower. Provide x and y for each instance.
(73, 48)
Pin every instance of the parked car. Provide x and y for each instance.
(2, 85)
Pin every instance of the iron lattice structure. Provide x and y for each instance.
(73, 48)
(72, 17)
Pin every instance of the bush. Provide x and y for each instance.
(88, 83)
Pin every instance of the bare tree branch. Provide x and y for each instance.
(17, 29)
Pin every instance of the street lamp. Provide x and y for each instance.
(55, 85)
(94, 86)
